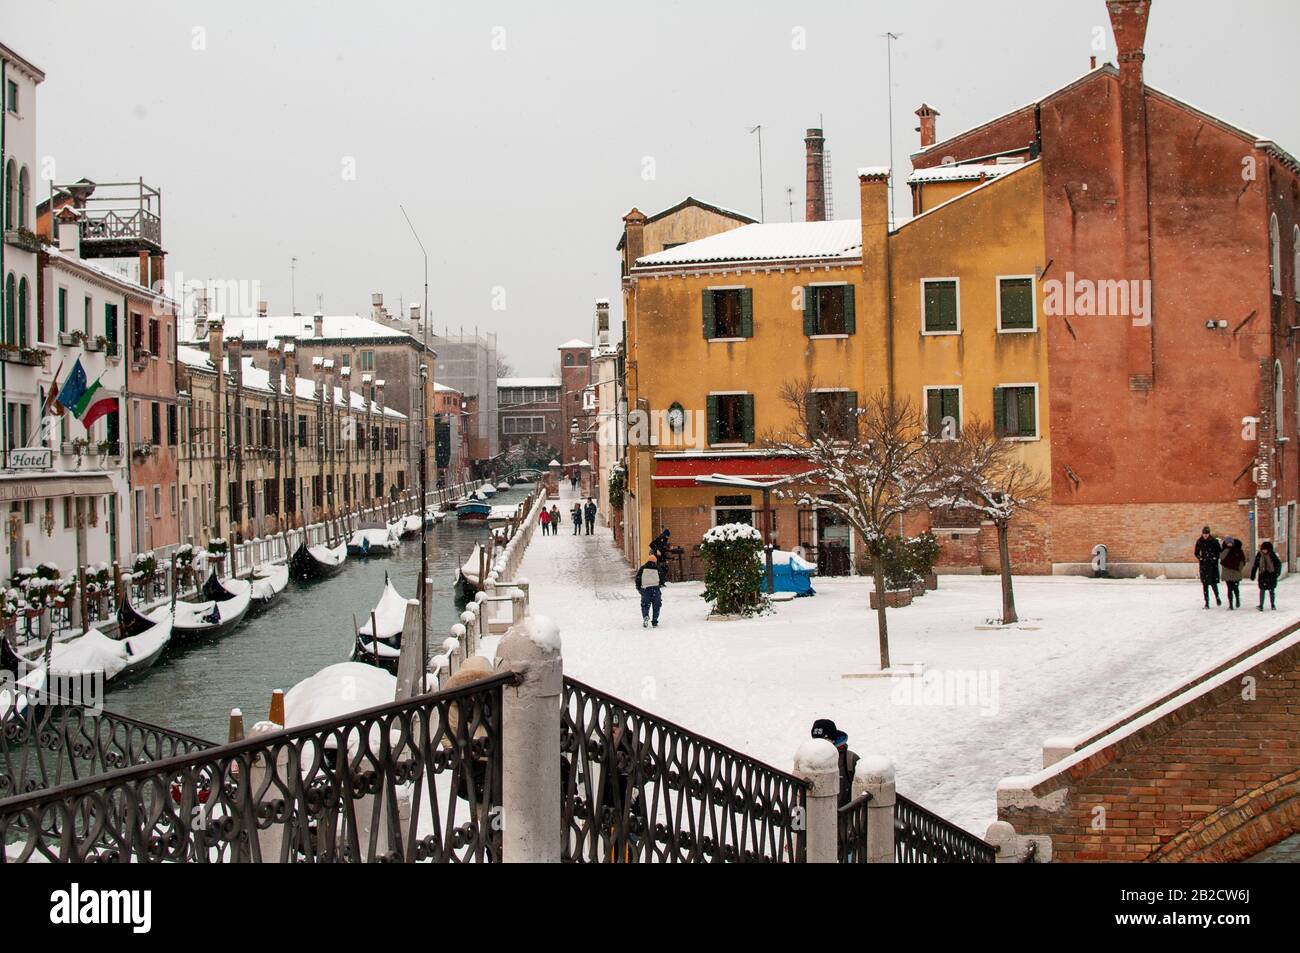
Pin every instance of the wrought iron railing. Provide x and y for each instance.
(415, 780)
(853, 830)
(45, 746)
(639, 789)
(923, 837)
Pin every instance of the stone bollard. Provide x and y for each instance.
(530, 742)
(455, 654)
(874, 775)
(276, 714)
(818, 762)
(518, 606)
(236, 731)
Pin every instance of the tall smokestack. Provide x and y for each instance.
(815, 202)
(1128, 21)
(927, 116)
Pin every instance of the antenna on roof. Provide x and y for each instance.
(762, 215)
(889, 96)
(789, 200)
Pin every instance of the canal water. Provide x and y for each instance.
(192, 689)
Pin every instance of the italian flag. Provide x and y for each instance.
(87, 409)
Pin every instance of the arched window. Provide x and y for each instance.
(1295, 260)
(1277, 399)
(22, 313)
(1275, 254)
(568, 360)
(11, 199)
(11, 294)
(24, 191)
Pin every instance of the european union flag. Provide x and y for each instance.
(73, 388)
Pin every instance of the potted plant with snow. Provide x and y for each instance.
(733, 578)
(923, 550)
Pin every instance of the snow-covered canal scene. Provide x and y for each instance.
(651, 433)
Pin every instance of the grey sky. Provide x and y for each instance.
(517, 164)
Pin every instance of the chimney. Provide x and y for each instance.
(318, 377)
(318, 324)
(1128, 21)
(261, 309)
(815, 189)
(273, 364)
(69, 232)
(602, 321)
(634, 238)
(235, 353)
(379, 394)
(290, 350)
(927, 115)
(377, 306)
(216, 348)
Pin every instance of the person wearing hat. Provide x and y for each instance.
(1207, 552)
(649, 582)
(825, 728)
(1233, 562)
(1267, 567)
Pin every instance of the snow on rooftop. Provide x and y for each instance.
(265, 327)
(767, 242)
(963, 172)
(573, 342)
(527, 382)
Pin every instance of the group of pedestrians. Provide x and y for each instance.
(582, 514)
(1226, 560)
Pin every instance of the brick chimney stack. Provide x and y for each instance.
(634, 232)
(235, 351)
(216, 344)
(273, 364)
(927, 115)
(1128, 20)
(815, 188)
(602, 322)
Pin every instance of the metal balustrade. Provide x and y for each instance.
(923, 837)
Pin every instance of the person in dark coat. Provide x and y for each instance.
(575, 514)
(545, 520)
(1207, 553)
(825, 728)
(556, 520)
(589, 511)
(1233, 562)
(649, 582)
(1268, 567)
(659, 549)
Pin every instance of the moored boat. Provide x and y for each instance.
(208, 620)
(472, 510)
(313, 563)
(93, 655)
(486, 491)
(267, 583)
(379, 640)
(373, 541)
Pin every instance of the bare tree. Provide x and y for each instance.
(873, 463)
(505, 367)
(988, 474)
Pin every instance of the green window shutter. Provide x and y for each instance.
(999, 412)
(1016, 297)
(747, 312)
(709, 324)
(712, 413)
(850, 320)
(934, 411)
(809, 311)
(814, 417)
(940, 306)
(748, 409)
(1026, 412)
(63, 309)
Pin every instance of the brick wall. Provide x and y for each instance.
(1141, 532)
(1213, 779)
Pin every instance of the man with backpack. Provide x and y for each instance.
(650, 579)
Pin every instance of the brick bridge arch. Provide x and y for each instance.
(1205, 772)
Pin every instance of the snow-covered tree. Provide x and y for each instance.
(988, 474)
(869, 464)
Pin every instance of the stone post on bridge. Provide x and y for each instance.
(874, 775)
(818, 763)
(530, 742)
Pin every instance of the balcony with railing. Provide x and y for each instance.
(118, 219)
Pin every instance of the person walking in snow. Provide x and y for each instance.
(1207, 552)
(589, 511)
(556, 520)
(650, 579)
(1233, 562)
(1268, 567)
(545, 520)
(825, 728)
(575, 514)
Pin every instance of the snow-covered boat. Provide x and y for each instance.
(486, 491)
(467, 577)
(95, 655)
(503, 485)
(373, 541)
(408, 527)
(472, 510)
(210, 619)
(313, 563)
(379, 640)
(502, 513)
(268, 582)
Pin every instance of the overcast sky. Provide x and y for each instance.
(517, 164)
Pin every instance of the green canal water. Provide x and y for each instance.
(192, 689)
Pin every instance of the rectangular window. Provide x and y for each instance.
(831, 413)
(110, 327)
(728, 313)
(137, 331)
(939, 305)
(943, 412)
(733, 508)
(302, 430)
(173, 496)
(171, 424)
(1015, 411)
(731, 418)
(1016, 308)
(828, 309)
(155, 418)
(87, 324)
(12, 96)
(63, 313)
(153, 337)
(157, 502)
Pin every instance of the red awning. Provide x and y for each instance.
(682, 471)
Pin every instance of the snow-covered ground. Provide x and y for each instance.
(1086, 651)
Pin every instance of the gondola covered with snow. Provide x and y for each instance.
(210, 619)
(379, 640)
(267, 584)
(112, 662)
(313, 563)
(373, 541)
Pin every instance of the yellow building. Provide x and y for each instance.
(941, 310)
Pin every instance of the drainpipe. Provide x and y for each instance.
(4, 212)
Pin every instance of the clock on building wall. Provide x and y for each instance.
(676, 417)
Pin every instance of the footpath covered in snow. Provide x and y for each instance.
(1087, 650)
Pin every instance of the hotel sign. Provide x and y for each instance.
(31, 458)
